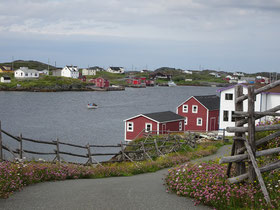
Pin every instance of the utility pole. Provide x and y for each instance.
(12, 63)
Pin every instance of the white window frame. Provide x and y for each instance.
(186, 121)
(193, 109)
(130, 127)
(197, 120)
(180, 126)
(185, 108)
(146, 126)
(229, 95)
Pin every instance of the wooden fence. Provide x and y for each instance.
(128, 151)
(244, 139)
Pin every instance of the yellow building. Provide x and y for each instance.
(5, 69)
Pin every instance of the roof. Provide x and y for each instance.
(160, 117)
(116, 68)
(211, 102)
(164, 116)
(27, 70)
(257, 86)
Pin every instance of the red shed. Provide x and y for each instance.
(101, 82)
(154, 123)
(201, 113)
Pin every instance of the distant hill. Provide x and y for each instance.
(168, 70)
(30, 64)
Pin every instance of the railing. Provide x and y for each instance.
(163, 146)
(244, 140)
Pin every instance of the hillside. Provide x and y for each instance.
(30, 64)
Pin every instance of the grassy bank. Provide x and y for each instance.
(14, 176)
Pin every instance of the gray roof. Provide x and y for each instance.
(164, 116)
(211, 102)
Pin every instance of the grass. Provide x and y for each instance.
(42, 82)
(16, 175)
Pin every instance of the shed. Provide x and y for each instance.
(155, 123)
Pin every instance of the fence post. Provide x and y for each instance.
(224, 134)
(156, 147)
(57, 150)
(240, 166)
(1, 148)
(251, 131)
(123, 157)
(20, 146)
(89, 154)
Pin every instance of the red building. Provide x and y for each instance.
(201, 113)
(101, 82)
(154, 123)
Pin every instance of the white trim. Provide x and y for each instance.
(197, 121)
(207, 120)
(128, 126)
(151, 129)
(142, 115)
(125, 131)
(186, 121)
(187, 108)
(158, 128)
(181, 126)
(196, 109)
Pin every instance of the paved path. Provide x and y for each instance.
(144, 191)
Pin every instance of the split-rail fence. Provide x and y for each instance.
(147, 149)
(244, 148)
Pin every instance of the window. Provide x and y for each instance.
(180, 126)
(26, 74)
(199, 121)
(194, 109)
(185, 108)
(229, 96)
(130, 126)
(186, 121)
(225, 116)
(232, 118)
(35, 74)
(148, 127)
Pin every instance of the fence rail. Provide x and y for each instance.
(245, 140)
(128, 151)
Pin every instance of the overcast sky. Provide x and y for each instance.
(230, 35)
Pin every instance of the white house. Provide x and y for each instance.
(116, 70)
(239, 74)
(70, 71)
(187, 72)
(25, 73)
(86, 72)
(5, 79)
(264, 101)
(45, 72)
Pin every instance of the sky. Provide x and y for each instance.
(229, 35)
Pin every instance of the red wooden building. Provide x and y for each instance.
(154, 123)
(100, 82)
(201, 113)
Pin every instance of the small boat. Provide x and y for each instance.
(171, 84)
(92, 106)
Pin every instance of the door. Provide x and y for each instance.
(163, 128)
(212, 124)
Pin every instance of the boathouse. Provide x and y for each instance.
(154, 123)
(201, 113)
(100, 82)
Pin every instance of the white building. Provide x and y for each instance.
(86, 72)
(264, 101)
(45, 72)
(239, 74)
(5, 79)
(116, 70)
(187, 72)
(25, 73)
(70, 71)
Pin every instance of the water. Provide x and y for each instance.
(64, 115)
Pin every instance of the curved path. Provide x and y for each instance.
(144, 191)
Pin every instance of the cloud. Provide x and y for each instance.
(155, 19)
